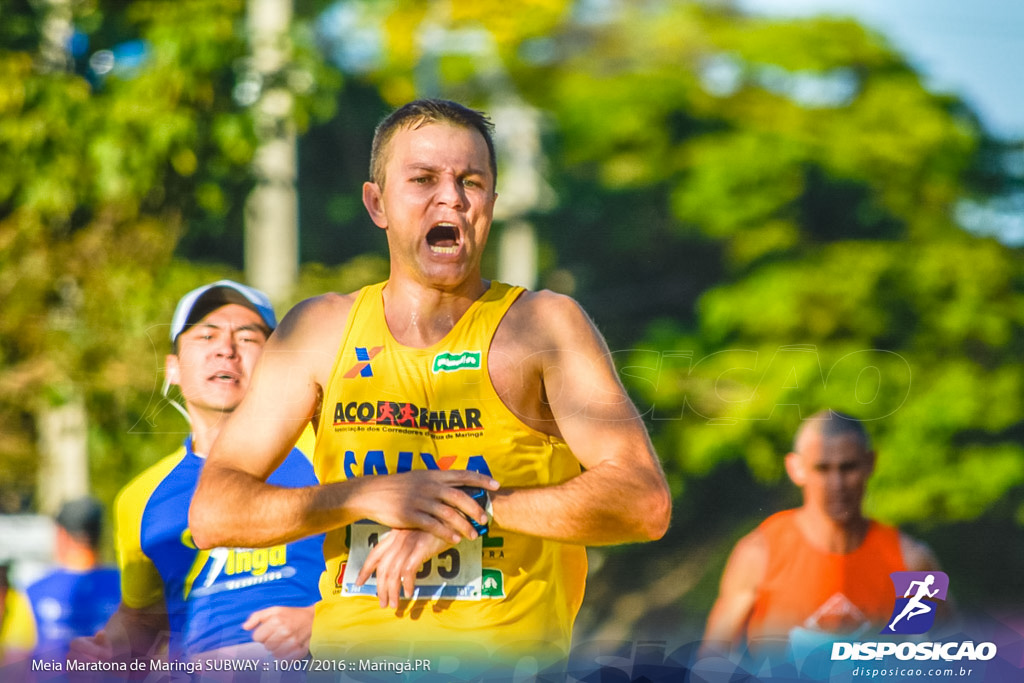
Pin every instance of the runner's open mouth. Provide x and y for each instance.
(443, 239)
(225, 377)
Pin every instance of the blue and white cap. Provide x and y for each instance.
(200, 302)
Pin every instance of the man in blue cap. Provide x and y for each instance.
(226, 602)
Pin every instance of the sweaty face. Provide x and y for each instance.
(836, 472)
(436, 204)
(216, 357)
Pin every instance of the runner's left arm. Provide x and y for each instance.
(602, 427)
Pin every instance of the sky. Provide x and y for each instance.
(972, 48)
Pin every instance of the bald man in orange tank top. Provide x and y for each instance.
(808, 574)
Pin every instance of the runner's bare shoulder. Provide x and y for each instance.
(917, 555)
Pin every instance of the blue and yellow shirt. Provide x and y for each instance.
(209, 594)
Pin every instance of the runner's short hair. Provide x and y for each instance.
(421, 112)
(832, 424)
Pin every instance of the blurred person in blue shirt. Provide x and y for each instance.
(77, 597)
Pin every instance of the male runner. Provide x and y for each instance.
(807, 574)
(77, 597)
(231, 602)
(440, 369)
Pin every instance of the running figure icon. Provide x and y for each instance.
(916, 605)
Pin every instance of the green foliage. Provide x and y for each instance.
(473, 40)
(921, 341)
(810, 157)
(317, 278)
(759, 214)
(102, 173)
(762, 211)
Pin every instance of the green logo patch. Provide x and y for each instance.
(450, 362)
(493, 584)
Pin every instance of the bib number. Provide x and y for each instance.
(455, 573)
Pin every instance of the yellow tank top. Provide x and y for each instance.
(389, 408)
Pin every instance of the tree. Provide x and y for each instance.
(106, 166)
(745, 195)
(763, 218)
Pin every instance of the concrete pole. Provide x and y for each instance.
(271, 212)
(517, 254)
(62, 426)
(55, 34)
(62, 429)
(521, 190)
(64, 457)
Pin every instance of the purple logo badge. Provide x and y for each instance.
(917, 596)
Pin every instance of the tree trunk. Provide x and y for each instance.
(64, 456)
(271, 216)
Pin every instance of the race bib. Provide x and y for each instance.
(455, 573)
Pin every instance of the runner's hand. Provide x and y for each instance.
(396, 558)
(424, 499)
(284, 631)
(95, 648)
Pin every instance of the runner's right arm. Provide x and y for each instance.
(743, 574)
(234, 506)
(129, 634)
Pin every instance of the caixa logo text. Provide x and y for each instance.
(949, 652)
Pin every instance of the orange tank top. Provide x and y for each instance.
(807, 588)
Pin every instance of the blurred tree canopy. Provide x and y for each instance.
(763, 216)
(827, 179)
(110, 159)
